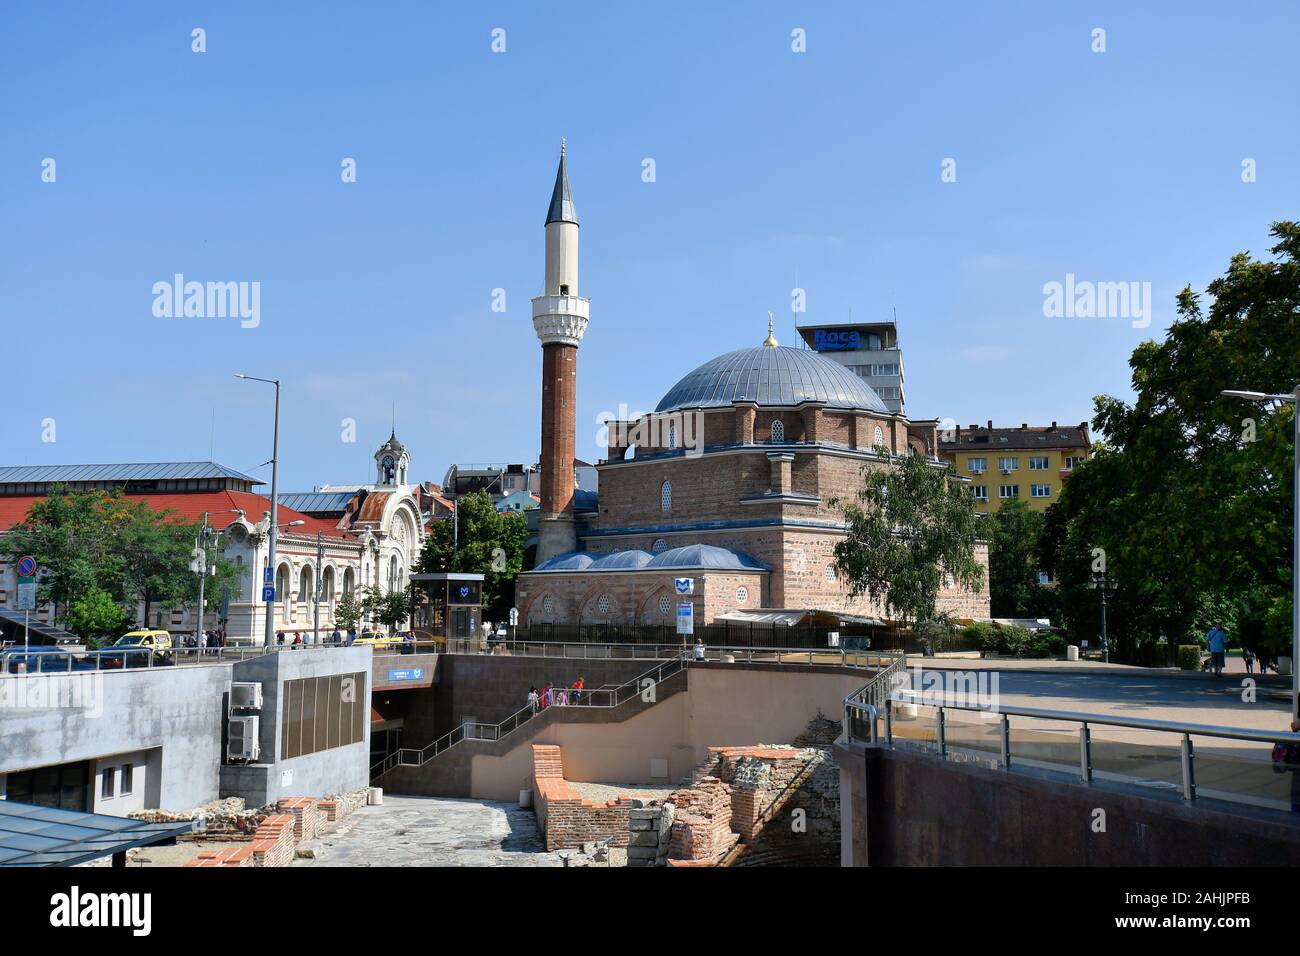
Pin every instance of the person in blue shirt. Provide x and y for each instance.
(1217, 639)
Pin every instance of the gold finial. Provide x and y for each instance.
(561, 145)
(770, 342)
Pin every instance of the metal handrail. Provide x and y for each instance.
(615, 697)
(1186, 730)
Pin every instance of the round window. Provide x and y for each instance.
(659, 547)
(742, 595)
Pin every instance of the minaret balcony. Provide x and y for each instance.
(561, 318)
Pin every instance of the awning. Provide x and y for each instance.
(794, 617)
(32, 835)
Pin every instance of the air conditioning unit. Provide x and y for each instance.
(241, 741)
(246, 695)
(1006, 471)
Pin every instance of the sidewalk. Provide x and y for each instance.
(972, 661)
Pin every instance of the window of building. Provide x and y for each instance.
(878, 440)
(666, 496)
(778, 430)
(603, 604)
(106, 783)
(548, 605)
(830, 572)
(1038, 463)
(977, 466)
(323, 713)
(128, 777)
(1040, 491)
(1009, 463)
(665, 604)
(1072, 461)
(304, 584)
(1008, 491)
(742, 595)
(659, 547)
(980, 492)
(672, 435)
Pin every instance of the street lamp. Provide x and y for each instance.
(275, 498)
(1293, 398)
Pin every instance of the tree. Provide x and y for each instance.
(1187, 506)
(911, 526)
(95, 614)
(156, 552)
(1013, 565)
(348, 611)
(491, 543)
(390, 608)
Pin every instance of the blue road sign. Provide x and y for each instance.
(268, 594)
(685, 619)
(266, 576)
(684, 585)
(407, 673)
(27, 567)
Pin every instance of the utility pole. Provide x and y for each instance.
(201, 561)
(1099, 582)
(320, 557)
(269, 638)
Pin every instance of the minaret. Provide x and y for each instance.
(560, 318)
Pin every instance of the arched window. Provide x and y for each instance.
(349, 582)
(394, 574)
(282, 584)
(304, 583)
(830, 572)
(742, 595)
(672, 435)
(778, 430)
(548, 604)
(603, 604)
(665, 604)
(879, 440)
(666, 496)
(659, 547)
(327, 584)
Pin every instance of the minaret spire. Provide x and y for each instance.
(562, 208)
(770, 342)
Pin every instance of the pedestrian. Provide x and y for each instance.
(1248, 656)
(297, 640)
(532, 700)
(699, 648)
(576, 696)
(1217, 640)
(336, 637)
(279, 638)
(546, 696)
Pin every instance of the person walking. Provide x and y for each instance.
(699, 648)
(532, 700)
(575, 697)
(1248, 656)
(279, 638)
(1217, 640)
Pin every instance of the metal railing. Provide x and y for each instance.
(598, 697)
(823, 657)
(1239, 775)
(19, 661)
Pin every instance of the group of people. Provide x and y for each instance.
(557, 695)
(207, 639)
(1216, 640)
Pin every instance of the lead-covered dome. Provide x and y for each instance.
(771, 375)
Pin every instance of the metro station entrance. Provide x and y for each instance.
(446, 606)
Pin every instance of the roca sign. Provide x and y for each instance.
(828, 340)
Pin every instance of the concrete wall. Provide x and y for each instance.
(176, 711)
(901, 808)
(717, 705)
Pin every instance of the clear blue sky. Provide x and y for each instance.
(773, 167)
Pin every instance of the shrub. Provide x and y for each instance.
(1189, 657)
(983, 636)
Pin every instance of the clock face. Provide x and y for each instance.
(388, 462)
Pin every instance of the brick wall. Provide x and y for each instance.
(294, 821)
(566, 819)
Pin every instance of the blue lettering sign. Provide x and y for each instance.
(830, 340)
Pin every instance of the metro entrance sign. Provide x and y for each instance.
(686, 618)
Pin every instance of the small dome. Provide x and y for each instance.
(573, 561)
(707, 557)
(621, 561)
(772, 375)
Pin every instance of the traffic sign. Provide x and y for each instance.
(266, 576)
(268, 594)
(684, 585)
(514, 616)
(27, 567)
(26, 595)
(685, 618)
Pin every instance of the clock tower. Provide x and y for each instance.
(392, 463)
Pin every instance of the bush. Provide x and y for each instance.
(983, 636)
(1189, 657)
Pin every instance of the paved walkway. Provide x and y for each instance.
(429, 831)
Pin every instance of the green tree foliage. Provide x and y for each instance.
(1014, 590)
(491, 543)
(348, 611)
(910, 526)
(1188, 504)
(389, 608)
(96, 614)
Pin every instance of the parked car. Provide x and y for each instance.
(134, 649)
(378, 639)
(42, 660)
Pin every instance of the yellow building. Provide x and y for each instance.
(1030, 462)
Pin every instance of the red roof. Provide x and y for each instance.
(189, 506)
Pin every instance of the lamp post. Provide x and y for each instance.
(275, 499)
(1293, 398)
